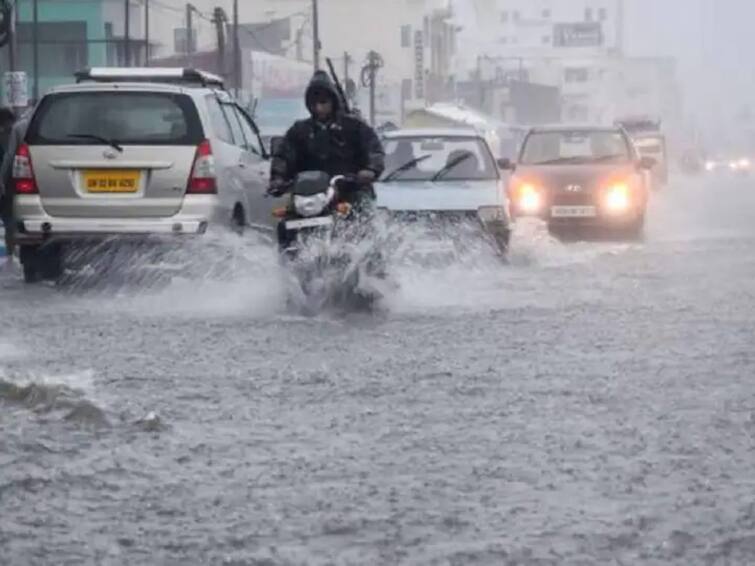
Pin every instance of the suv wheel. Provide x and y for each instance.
(41, 263)
(30, 262)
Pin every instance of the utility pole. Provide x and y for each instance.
(316, 33)
(12, 38)
(620, 29)
(35, 48)
(369, 78)
(146, 34)
(346, 65)
(127, 33)
(220, 19)
(237, 70)
(189, 36)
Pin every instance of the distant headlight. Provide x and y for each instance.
(709, 166)
(733, 165)
(744, 163)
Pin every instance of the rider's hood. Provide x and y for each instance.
(321, 81)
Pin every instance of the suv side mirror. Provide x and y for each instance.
(646, 162)
(275, 143)
(506, 164)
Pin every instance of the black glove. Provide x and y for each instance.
(277, 187)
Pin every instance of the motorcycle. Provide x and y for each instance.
(325, 245)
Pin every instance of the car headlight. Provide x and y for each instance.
(528, 198)
(489, 214)
(744, 163)
(617, 198)
(734, 165)
(709, 166)
(313, 205)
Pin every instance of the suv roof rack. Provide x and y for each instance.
(173, 75)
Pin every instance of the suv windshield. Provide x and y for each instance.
(126, 118)
(575, 146)
(456, 158)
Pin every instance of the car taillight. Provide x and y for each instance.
(23, 172)
(203, 180)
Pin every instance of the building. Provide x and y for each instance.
(72, 35)
(588, 25)
(577, 47)
(415, 38)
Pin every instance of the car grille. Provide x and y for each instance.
(582, 198)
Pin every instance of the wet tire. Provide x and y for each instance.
(42, 263)
(29, 256)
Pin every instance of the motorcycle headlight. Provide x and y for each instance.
(312, 205)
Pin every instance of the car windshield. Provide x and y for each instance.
(134, 118)
(462, 158)
(575, 146)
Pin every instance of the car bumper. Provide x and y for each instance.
(34, 225)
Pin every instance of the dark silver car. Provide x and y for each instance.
(135, 152)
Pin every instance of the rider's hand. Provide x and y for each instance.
(366, 176)
(277, 187)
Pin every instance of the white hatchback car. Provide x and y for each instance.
(444, 176)
(135, 153)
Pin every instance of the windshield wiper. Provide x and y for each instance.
(573, 159)
(406, 166)
(609, 157)
(451, 165)
(112, 143)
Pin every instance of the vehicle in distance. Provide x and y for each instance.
(581, 177)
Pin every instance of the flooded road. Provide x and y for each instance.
(591, 403)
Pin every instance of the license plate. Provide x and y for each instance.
(573, 212)
(111, 180)
(309, 223)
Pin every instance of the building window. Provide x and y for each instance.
(546, 14)
(504, 17)
(546, 40)
(406, 36)
(588, 14)
(602, 14)
(576, 75)
(517, 15)
(504, 40)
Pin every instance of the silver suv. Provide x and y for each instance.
(134, 152)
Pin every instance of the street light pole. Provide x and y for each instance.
(146, 34)
(316, 33)
(236, 50)
(127, 33)
(189, 35)
(35, 48)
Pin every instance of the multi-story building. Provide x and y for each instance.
(577, 46)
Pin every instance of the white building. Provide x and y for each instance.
(577, 46)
